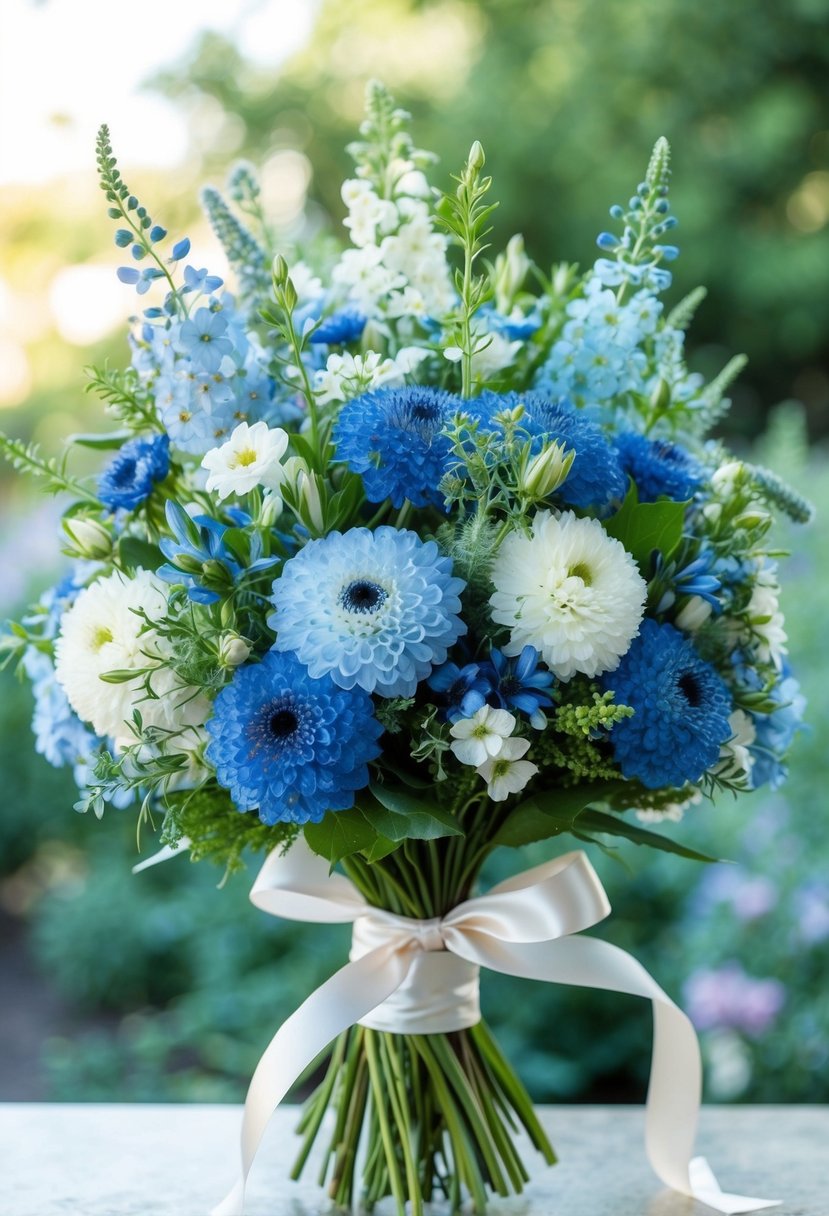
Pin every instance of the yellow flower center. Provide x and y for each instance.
(246, 457)
(100, 636)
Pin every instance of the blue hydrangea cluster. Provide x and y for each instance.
(394, 438)
(208, 371)
(60, 736)
(128, 480)
(595, 478)
(290, 745)
(375, 610)
(681, 709)
(660, 469)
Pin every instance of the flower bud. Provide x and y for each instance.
(694, 614)
(661, 396)
(233, 650)
(712, 512)
(88, 538)
(546, 471)
(270, 510)
(756, 517)
(724, 480)
(280, 270)
(476, 160)
(511, 269)
(311, 501)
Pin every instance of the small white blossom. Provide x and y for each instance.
(766, 620)
(736, 761)
(693, 615)
(673, 812)
(233, 650)
(507, 773)
(482, 736)
(251, 457)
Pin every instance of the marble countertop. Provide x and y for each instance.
(135, 1160)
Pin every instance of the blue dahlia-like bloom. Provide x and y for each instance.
(659, 468)
(344, 325)
(595, 477)
(128, 480)
(290, 745)
(462, 690)
(521, 684)
(376, 610)
(681, 707)
(393, 438)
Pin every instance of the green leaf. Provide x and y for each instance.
(644, 526)
(615, 825)
(102, 443)
(549, 813)
(340, 834)
(135, 554)
(400, 816)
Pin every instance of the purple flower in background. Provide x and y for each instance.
(750, 896)
(811, 907)
(718, 998)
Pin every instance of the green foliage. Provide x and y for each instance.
(380, 822)
(27, 458)
(385, 148)
(643, 527)
(121, 391)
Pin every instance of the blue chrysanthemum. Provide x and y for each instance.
(289, 745)
(393, 438)
(660, 469)
(127, 481)
(595, 477)
(681, 709)
(375, 610)
(344, 325)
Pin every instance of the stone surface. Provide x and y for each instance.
(179, 1161)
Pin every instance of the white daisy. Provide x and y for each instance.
(481, 737)
(569, 590)
(105, 631)
(251, 457)
(507, 773)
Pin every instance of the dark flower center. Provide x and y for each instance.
(283, 723)
(362, 596)
(124, 472)
(423, 411)
(690, 688)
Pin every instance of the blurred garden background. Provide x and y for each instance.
(163, 986)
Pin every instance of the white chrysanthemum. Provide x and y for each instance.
(102, 632)
(481, 737)
(507, 773)
(569, 590)
(251, 457)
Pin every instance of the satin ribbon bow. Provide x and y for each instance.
(523, 927)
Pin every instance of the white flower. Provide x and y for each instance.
(672, 812)
(105, 631)
(251, 457)
(482, 736)
(306, 284)
(233, 650)
(507, 773)
(736, 761)
(766, 619)
(569, 590)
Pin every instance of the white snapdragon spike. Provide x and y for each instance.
(736, 761)
(507, 773)
(105, 630)
(766, 619)
(569, 590)
(251, 457)
(482, 736)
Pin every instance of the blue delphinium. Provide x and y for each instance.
(462, 691)
(376, 610)
(204, 340)
(393, 438)
(595, 477)
(60, 736)
(290, 745)
(128, 480)
(520, 684)
(775, 732)
(660, 469)
(681, 709)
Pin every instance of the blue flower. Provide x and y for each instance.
(343, 326)
(203, 338)
(520, 684)
(659, 468)
(199, 559)
(197, 409)
(60, 736)
(393, 437)
(681, 708)
(595, 477)
(290, 745)
(775, 732)
(129, 479)
(373, 609)
(462, 690)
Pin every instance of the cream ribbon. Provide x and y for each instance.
(523, 927)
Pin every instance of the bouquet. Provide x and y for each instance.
(400, 556)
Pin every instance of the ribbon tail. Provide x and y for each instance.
(164, 854)
(675, 1088)
(350, 994)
